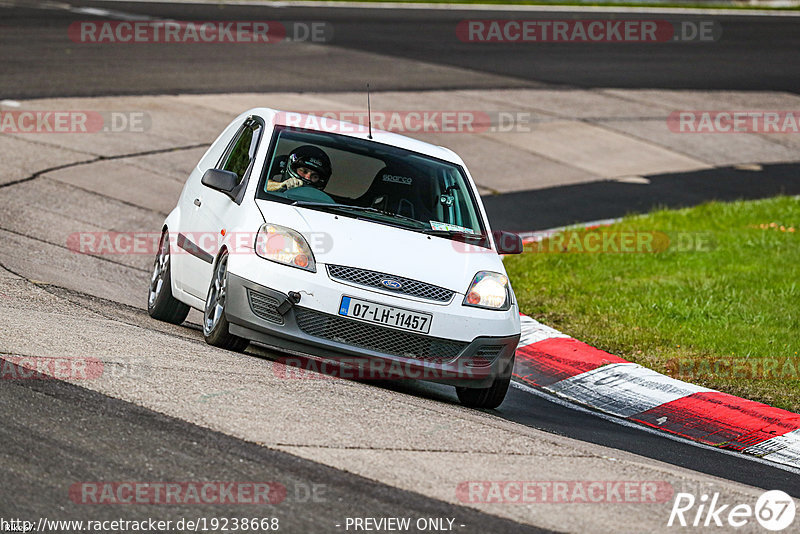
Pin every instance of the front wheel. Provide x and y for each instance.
(490, 397)
(215, 325)
(161, 304)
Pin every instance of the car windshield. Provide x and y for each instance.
(372, 181)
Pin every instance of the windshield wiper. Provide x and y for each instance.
(307, 204)
(460, 233)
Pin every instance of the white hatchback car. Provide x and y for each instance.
(342, 244)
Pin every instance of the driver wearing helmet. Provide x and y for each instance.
(306, 165)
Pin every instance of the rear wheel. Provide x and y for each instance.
(490, 397)
(215, 325)
(161, 304)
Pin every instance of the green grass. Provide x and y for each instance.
(736, 299)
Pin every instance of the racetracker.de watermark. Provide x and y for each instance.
(588, 31)
(463, 121)
(735, 121)
(72, 121)
(147, 243)
(564, 492)
(177, 493)
(365, 368)
(766, 368)
(600, 241)
(198, 32)
(49, 368)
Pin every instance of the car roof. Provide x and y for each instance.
(314, 122)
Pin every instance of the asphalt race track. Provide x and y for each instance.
(756, 53)
(203, 414)
(570, 204)
(110, 438)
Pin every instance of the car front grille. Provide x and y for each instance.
(264, 306)
(414, 288)
(377, 338)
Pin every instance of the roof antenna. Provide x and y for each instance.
(369, 115)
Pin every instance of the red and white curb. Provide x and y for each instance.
(563, 366)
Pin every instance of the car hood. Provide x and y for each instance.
(342, 240)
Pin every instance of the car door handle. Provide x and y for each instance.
(197, 202)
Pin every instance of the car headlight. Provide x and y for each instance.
(284, 245)
(488, 290)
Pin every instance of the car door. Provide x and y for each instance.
(212, 209)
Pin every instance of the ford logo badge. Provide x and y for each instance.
(391, 284)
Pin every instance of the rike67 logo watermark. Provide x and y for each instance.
(774, 510)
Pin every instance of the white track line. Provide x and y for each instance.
(108, 13)
(485, 7)
(539, 235)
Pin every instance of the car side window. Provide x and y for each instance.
(243, 150)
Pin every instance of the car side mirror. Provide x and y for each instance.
(508, 242)
(224, 181)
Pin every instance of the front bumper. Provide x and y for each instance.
(266, 315)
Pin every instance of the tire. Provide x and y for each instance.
(215, 325)
(490, 397)
(161, 304)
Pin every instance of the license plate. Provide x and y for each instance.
(372, 312)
